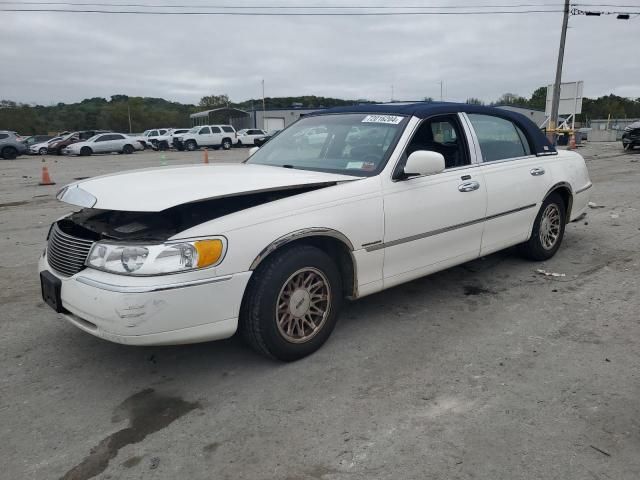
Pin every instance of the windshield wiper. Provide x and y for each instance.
(288, 166)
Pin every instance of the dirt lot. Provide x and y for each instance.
(488, 371)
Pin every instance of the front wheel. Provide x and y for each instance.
(42, 151)
(9, 153)
(548, 230)
(292, 303)
(85, 151)
(191, 145)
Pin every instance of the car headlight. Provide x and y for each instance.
(156, 259)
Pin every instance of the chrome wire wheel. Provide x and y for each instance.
(303, 305)
(550, 226)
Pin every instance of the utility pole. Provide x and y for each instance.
(129, 115)
(555, 101)
(392, 92)
(263, 106)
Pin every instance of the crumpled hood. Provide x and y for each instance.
(156, 189)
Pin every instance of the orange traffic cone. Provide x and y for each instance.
(46, 179)
(572, 141)
(205, 155)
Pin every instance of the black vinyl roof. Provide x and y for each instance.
(538, 140)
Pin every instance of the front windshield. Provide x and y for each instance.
(351, 144)
(92, 139)
(194, 130)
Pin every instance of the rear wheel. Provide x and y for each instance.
(127, 149)
(9, 153)
(226, 144)
(85, 151)
(292, 303)
(191, 145)
(548, 230)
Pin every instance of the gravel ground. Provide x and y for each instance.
(485, 371)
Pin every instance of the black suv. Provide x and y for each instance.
(631, 136)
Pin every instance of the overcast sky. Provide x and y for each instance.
(64, 57)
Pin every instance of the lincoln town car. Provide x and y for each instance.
(272, 247)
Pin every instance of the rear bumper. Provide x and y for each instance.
(152, 311)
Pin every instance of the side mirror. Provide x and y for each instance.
(423, 162)
(253, 150)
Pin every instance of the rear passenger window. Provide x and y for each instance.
(228, 129)
(215, 130)
(499, 139)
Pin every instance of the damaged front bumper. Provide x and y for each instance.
(160, 310)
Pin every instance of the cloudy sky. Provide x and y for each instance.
(68, 56)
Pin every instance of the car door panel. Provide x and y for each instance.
(516, 180)
(432, 222)
(514, 196)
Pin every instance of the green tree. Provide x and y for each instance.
(214, 101)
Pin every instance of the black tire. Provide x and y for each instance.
(59, 151)
(180, 147)
(127, 149)
(258, 322)
(85, 151)
(534, 248)
(191, 145)
(42, 151)
(144, 145)
(226, 143)
(163, 146)
(239, 144)
(9, 153)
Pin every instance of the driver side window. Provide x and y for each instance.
(443, 135)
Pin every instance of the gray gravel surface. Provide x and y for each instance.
(485, 371)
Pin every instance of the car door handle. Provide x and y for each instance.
(468, 186)
(536, 172)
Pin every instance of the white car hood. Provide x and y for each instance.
(156, 189)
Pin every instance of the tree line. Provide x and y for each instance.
(140, 113)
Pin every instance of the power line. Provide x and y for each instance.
(286, 7)
(275, 14)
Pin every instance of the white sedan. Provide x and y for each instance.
(273, 246)
(42, 148)
(248, 136)
(104, 143)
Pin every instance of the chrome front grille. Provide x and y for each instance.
(67, 254)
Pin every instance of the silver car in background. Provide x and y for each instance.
(104, 143)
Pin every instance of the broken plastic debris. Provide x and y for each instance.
(550, 274)
(615, 215)
(594, 205)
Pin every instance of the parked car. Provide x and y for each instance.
(631, 136)
(148, 139)
(259, 141)
(272, 246)
(34, 139)
(42, 148)
(313, 136)
(214, 136)
(248, 136)
(104, 143)
(165, 141)
(10, 146)
(71, 138)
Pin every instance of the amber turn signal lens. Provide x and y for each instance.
(209, 252)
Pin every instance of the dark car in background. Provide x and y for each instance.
(10, 145)
(73, 137)
(631, 136)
